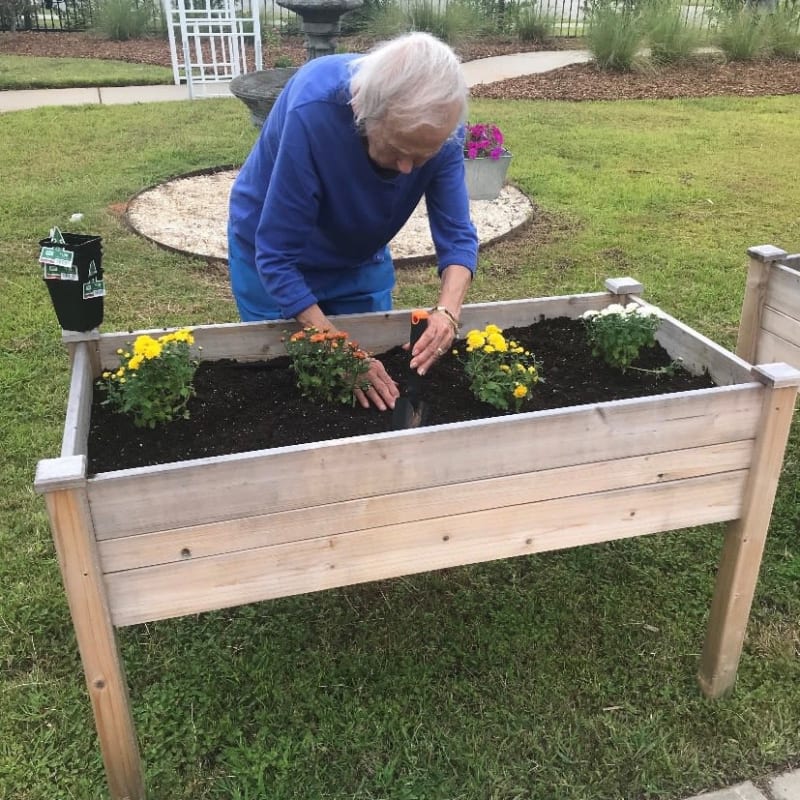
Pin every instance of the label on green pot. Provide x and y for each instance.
(59, 272)
(57, 256)
(94, 288)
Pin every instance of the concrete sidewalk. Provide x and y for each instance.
(105, 95)
(484, 70)
(781, 787)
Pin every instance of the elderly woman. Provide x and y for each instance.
(348, 150)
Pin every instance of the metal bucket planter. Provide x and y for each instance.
(485, 176)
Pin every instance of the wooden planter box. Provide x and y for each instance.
(164, 541)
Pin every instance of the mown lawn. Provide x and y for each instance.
(35, 72)
(568, 675)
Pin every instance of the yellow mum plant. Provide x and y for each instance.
(153, 382)
(501, 371)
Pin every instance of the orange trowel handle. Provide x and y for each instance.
(419, 321)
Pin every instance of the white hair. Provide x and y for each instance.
(416, 79)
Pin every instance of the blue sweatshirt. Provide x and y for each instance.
(310, 212)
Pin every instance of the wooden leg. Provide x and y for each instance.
(761, 260)
(744, 540)
(83, 581)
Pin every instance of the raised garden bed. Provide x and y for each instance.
(179, 538)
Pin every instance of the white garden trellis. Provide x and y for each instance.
(211, 42)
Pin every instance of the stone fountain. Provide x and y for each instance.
(321, 24)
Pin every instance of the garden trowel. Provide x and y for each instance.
(410, 410)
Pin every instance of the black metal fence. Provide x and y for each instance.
(45, 15)
(78, 15)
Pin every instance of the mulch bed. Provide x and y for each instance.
(704, 76)
(251, 406)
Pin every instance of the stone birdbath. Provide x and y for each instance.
(321, 24)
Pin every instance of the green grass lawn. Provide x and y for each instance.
(28, 72)
(563, 676)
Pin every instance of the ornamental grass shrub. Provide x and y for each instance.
(615, 37)
(120, 20)
(672, 39)
(743, 35)
(532, 23)
(783, 30)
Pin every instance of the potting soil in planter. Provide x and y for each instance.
(256, 405)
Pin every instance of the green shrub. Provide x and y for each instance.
(359, 19)
(462, 22)
(120, 20)
(671, 38)
(11, 10)
(743, 35)
(385, 21)
(423, 15)
(615, 37)
(453, 23)
(783, 30)
(532, 24)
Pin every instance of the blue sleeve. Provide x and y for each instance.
(288, 218)
(454, 235)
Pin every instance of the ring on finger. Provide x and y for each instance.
(439, 351)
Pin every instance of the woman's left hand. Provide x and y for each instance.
(434, 342)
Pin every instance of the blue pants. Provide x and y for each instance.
(338, 292)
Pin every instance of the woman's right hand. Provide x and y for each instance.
(383, 391)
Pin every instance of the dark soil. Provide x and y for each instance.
(256, 405)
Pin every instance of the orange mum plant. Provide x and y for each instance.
(329, 367)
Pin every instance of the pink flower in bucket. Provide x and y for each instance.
(483, 140)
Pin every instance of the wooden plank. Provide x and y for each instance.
(791, 261)
(68, 472)
(780, 326)
(777, 375)
(744, 546)
(253, 341)
(312, 565)
(772, 349)
(75, 440)
(134, 552)
(72, 533)
(248, 484)
(783, 291)
(623, 286)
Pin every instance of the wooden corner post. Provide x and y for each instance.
(761, 259)
(745, 537)
(623, 287)
(62, 481)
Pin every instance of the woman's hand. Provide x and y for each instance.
(382, 392)
(434, 342)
